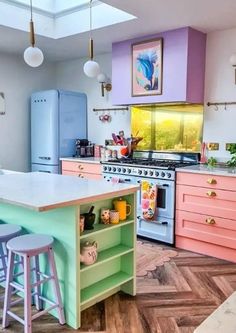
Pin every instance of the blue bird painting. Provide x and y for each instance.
(147, 68)
(145, 64)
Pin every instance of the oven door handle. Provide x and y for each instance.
(156, 222)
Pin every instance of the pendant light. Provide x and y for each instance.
(33, 56)
(91, 67)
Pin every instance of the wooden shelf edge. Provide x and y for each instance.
(126, 277)
(106, 227)
(126, 250)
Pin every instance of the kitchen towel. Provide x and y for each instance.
(148, 200)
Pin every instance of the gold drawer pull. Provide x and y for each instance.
(211, 194)
(80, 167)
(210, 220)
(212, 181)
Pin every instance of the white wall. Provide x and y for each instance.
(70, 76)
(220, 126)
(17, 81)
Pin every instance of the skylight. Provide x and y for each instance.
(60, 18)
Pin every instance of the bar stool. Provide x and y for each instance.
(27, 247)
(7, 232)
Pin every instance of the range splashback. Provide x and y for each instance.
(172, 128)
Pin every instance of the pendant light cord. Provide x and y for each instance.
(32, 36)
(90, 17)
(31, 11)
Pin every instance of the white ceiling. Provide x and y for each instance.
(152, 16)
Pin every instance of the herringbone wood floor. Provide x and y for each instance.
(174, 298)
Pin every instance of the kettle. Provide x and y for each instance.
(88, 255)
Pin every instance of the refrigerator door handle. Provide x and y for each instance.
(44, 158)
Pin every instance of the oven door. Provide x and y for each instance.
(165, 194)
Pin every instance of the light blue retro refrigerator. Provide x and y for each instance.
(58, 118)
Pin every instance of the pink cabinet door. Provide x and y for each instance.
(82, 167)
(206, 201)
(204, 180)
(203, 227)
(82, 174)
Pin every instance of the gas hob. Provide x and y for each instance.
(150, 164)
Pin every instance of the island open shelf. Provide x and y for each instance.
(52, 204)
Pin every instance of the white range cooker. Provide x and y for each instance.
(157, 168)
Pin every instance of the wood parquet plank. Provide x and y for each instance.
(173, 298)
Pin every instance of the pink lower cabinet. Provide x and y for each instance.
(82, 169)
(206, 216)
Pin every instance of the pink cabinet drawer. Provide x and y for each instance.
(206, 201)
(82, 167)
(220, 232)
(82, 174)
(209, 181)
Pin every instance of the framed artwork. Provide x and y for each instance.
(147, 68)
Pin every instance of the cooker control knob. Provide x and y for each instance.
(156, 173)
(119, 169)
(168, 174)
(129, 170)
(109, 168)
(145, 172)
(151, 173)
(139, 172)
(114, 169)
(163, 174)
(105, 168)
(124, 170)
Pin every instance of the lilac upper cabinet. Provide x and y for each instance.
(183, 68)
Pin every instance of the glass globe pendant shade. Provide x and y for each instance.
(102, 78)
(91, 68)
(33, 56)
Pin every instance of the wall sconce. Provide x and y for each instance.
(105, 84)
(232, 60)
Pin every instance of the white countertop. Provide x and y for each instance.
(201, 168)
(222, 320)
(82, 159)
(42, 191)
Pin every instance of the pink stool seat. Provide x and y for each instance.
(30, 243)
(8, 231)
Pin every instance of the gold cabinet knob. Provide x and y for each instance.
(80, 167)
(210, 220)
(212, 181)
(211, 194)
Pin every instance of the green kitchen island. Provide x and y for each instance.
(52, 204)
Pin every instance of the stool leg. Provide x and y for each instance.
(8, 290)
(38, 301)
(56, 286)
(27, 296)
(3, 260)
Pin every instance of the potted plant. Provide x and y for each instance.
(232, 150)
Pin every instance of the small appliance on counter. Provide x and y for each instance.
(84, 148)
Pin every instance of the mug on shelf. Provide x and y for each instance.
(114, 216)
(123, 208)
(105, 215)
(81, 223)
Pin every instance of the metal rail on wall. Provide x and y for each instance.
(217, 104)
(111, 109)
